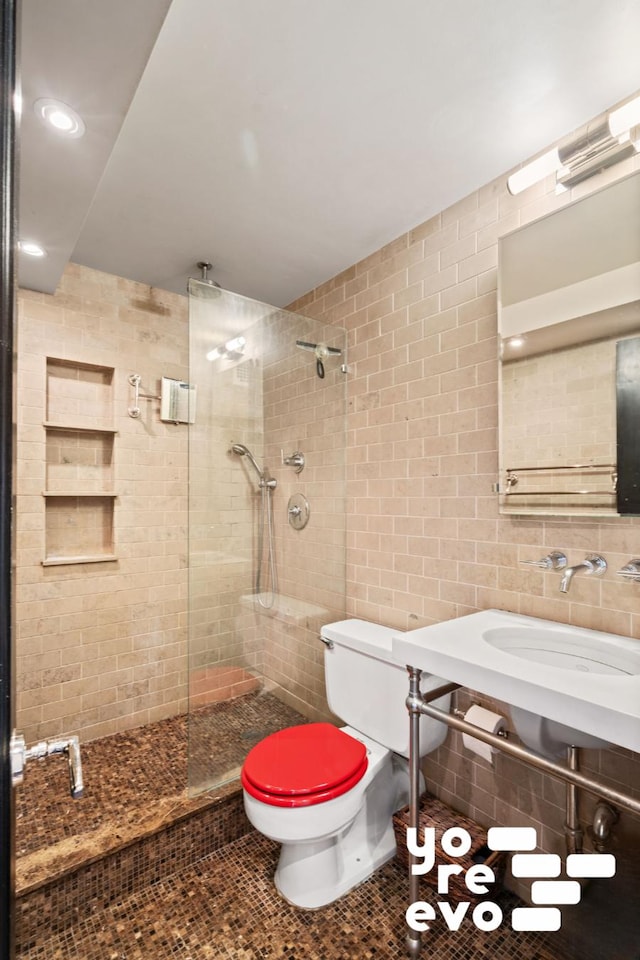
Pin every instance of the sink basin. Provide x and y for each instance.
(567, 685)
(568, 651)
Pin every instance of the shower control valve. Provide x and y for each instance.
(553, 561)
(298, 511)
(296, 460)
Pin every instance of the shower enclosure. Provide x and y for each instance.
(266, 521)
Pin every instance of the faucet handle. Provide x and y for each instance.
(553, 561)
(296, 460)
(630, 571)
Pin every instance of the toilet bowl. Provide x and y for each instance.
(328, 794)
(331, 845)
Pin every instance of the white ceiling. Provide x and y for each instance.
(285, 140)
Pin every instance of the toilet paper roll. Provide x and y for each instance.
(486, 720)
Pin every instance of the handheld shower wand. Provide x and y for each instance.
(243, 451)
(266, 485)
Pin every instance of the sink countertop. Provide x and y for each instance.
(606, 706)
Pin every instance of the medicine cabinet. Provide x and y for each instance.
(569, 333)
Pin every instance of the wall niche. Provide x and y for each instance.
(79, 495)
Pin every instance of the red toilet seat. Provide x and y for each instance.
(304, 765)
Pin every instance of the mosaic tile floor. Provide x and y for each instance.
(225, 906)
(134, 782)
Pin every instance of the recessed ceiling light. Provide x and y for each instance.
(31, 249)
(61, 117)
(516, 342)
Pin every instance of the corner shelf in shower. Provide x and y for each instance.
(79, 495)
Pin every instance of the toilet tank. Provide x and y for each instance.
(367, 688)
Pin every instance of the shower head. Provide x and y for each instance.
(242, 451)
(209, 288)
(204, 266)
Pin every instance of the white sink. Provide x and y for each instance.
(566, 684)
(566, 649)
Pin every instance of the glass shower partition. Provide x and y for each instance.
(266, 559)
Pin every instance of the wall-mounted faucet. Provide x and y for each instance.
(630, 571)
(553, 561)
(593, 565)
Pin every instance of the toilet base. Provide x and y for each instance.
(329, 848)
(312, 875)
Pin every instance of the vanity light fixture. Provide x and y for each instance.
(535, 171)
(623, 121)
(31, 248)
(600, 146)
(231, 349)
(61, 117)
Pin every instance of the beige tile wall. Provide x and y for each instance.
(305, 413)
(100, 646)
(425, 539)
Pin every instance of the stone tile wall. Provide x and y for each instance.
(425, 539)
(101, 646)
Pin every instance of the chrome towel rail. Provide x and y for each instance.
(512, 478)
(566, 466)
(560, 493)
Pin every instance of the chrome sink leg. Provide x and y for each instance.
(572, 830)
(413, 941)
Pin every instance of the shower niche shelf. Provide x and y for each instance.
(79, 494)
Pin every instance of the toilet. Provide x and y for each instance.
(328, 794)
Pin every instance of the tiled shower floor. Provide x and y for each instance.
(134, 782)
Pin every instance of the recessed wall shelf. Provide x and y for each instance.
(49, 425)
(62, 561)
(79, 495)
(66, 493)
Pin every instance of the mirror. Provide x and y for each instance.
(569, 333)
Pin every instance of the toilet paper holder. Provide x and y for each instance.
(461, 714)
